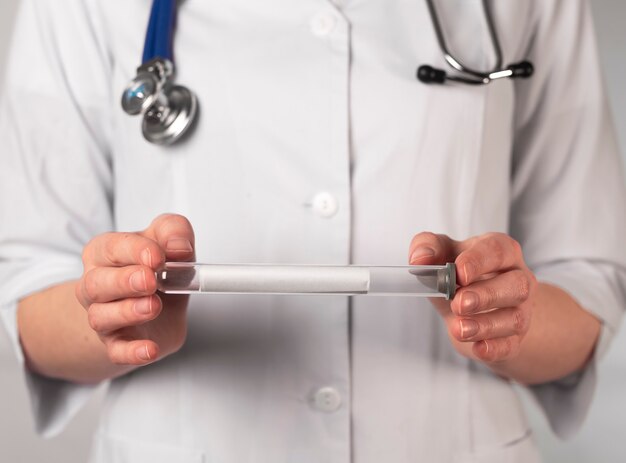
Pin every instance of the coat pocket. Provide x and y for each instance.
(107, 449)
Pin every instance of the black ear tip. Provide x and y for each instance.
(428, 74)
(529, 69)
(424, 72)
(523, 69)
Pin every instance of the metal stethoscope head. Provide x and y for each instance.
(430, 75)
(169, 111)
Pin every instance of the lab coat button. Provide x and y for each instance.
(323, 24)
(327, 399)
(325, 204)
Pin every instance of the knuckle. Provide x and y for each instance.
(117, 360)
(181, 220)
(126, 314)
(156, 256)
(516, 247)
(109, 248)
(488, 327)
(496, 249)
(151, 283)
(93, 319)
(470, 263)
(520, 321)
(454, 330)
(91, 286)
(444, 242)
(79, 293)
(511, 347)
(490, 296)
(162, 217)
(86, 254)
(122, 281)
(424, 237)
(427, 235)
(504, 349)
(491, 236)
(507, 347)
(524, 287)
(174, 219)
(116, 351)
(114, 355)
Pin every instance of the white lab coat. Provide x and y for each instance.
(298, 99)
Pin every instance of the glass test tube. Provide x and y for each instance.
(413, 280)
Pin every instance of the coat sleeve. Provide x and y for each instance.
(55, 174)
(568, 191)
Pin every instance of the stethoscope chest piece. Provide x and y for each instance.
(165, 124)
(168, 110)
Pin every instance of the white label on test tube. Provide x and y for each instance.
(284, 279)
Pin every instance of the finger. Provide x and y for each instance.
(111, 316)
(499, 323)
(497, 350)
(106, 284)
(122, 351)
(508, 289)
(120, 249)
(428, 248)
(175, 235)
(494, 252)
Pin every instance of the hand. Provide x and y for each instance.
(491, 311)
(118, 289)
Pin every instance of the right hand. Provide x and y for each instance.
(118, 289)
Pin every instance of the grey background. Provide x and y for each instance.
(602, 438)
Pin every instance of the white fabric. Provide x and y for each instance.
(299, 99)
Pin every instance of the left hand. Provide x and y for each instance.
(491, 311)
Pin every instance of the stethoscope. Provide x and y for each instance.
(169, 111)
(430, 75)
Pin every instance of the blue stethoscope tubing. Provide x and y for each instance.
(169, 111)
(159, 44)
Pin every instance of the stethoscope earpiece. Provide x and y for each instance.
(429, 75)
(524, 69)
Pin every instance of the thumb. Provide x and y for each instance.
(174, 234)
(430, 249)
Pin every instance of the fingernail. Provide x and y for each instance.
(144, 306)
(421, 253)
(179, 245)
(142, 353)
(138, 281)
(469, 328)
(146, 257)
(469, 301)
